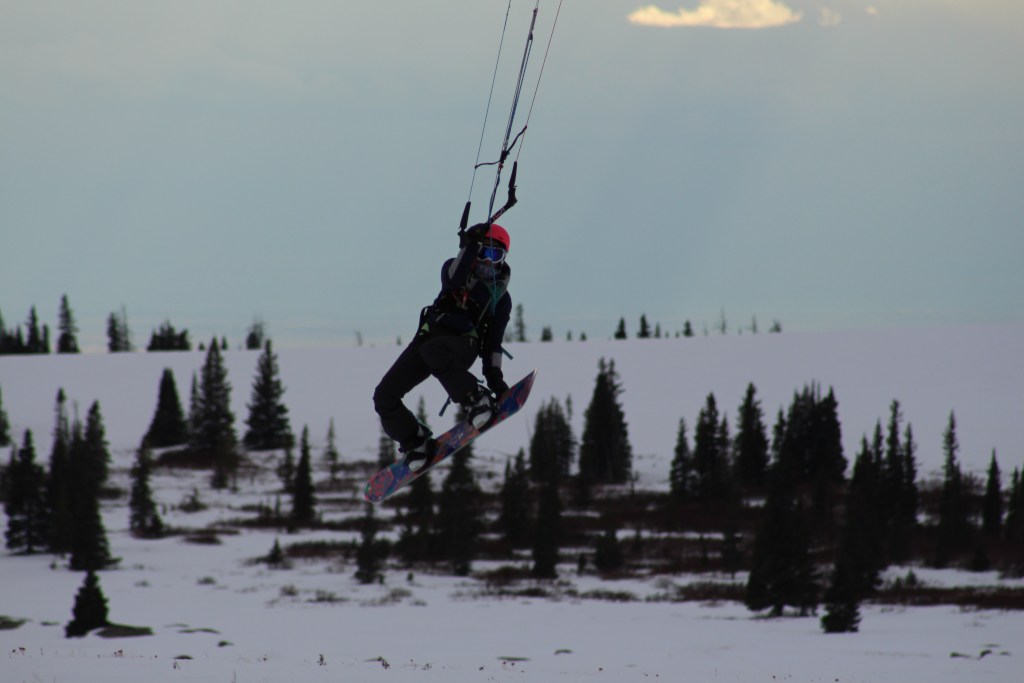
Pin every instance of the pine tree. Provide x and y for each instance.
(144, 520)
(90, 609)
(212, 432)
(548, 532)
(257, 335)
(460, 517)
(166, 338)
(1013, 530)
(909, 498)
(645, 329)
(681, 476)
(516, 519)
(268, 416)
(519, 325)
(286, 471)
(168, 427)
(552, 443)
(417, 539)
(59, 484)
(992, 504)
(332, 458)
(303, 496)
(952, 534)
(28, 516)
(96, 452)
(605, 453)
(782, 573)
(608, 553)
(38, 340)
(751, 445)
(620, 331)
(89, 546)
(5, 424)
(119, 338)
(710, 457)
(67, 341)
(369, 559)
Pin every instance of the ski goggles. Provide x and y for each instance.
(492, 253)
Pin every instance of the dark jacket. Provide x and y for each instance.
(473, 305)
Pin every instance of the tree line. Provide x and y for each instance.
(34, 337)
(780, 498)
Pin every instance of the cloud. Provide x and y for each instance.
(830, 17)
(720, 14)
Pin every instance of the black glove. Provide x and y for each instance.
(474, 234)
(496, 381)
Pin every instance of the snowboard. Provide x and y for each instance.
(397, 475)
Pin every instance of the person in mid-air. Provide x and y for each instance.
(467, 319)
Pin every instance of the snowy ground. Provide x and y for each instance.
(218, 617)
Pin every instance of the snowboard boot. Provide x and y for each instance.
(418, 450)
(479, 407)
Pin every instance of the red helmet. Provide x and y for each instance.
(500, 235)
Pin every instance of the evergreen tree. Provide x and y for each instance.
(89, 546)
(860, 557)
(605, 453)
(59, 484)
(620, 331)
(90, 609)
(38, 340)
(303, 497)
(751, 445)
(681, 475)
(168, 427)
(369, 557)
(909, 499)
(992, 504)
(608, 553)
(417, 539)
(952, 534)
(548, 532)
(645, 329)
(96, 453)
(552, 443)
(212, 434)
(67, 341)
(286, 471)
(515, 519)
(782, 573)
(331, 455)
(893, 491)
(1013, 530)
(710, 455)
(268, 416)
(144, 520)
(460, 514)
(687, 329)
(166, 338)
(519, 325)
(119, 338)
(28, 517)
(5, 424)
(257, 335)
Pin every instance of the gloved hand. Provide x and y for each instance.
(474, 234)
(496, 381)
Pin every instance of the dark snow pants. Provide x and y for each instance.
(446, 357)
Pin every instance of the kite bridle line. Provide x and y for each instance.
(507, 146)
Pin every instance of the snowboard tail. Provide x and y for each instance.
(397, 475)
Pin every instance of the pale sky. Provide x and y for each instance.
(828, 164)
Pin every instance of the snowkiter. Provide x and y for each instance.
(467, 319)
